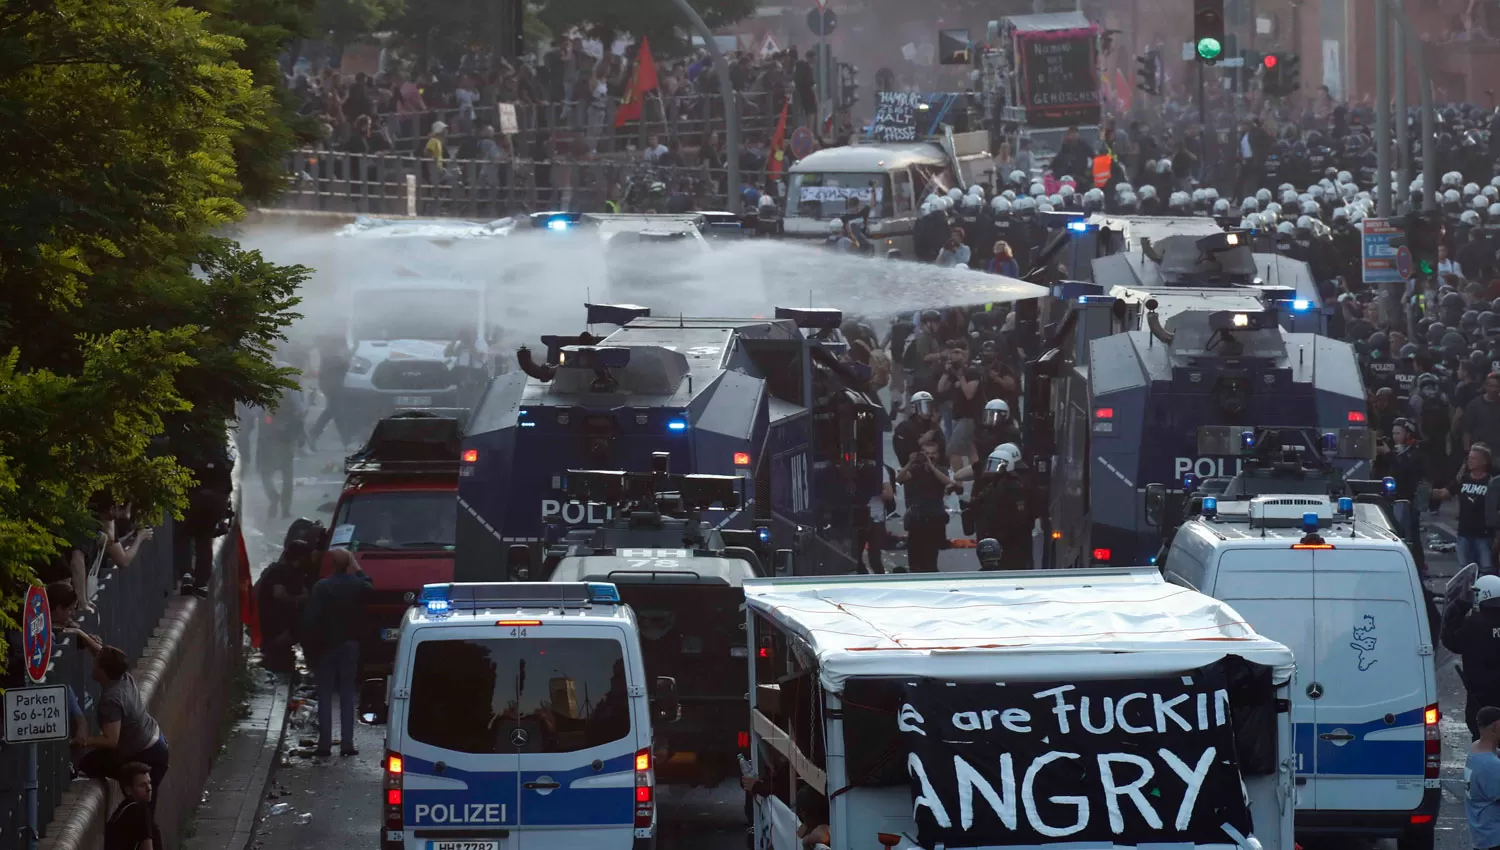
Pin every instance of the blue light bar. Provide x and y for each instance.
(528, 424)
(1210, 507)
(1330, 441)
(764, 533)
(1248, 438)
(1301, 305)
(600, 592)
(1078, 226)
(1190, 482)
(435, 600)
(677, 425)
(557, 224)
(1389, 484)
(1310, 521)
(1346, 506)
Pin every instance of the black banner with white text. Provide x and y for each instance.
(1121, 762)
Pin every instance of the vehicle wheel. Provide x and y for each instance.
(1417, 839)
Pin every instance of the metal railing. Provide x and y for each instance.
(687, 119)
(130, 605)
(388, 184)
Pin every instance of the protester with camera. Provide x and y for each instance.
(925, 481)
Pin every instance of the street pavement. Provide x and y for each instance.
(335, 803)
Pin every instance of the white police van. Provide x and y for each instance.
(519, 718)
(1331, 580)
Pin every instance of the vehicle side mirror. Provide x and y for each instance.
(372, 706)
(518, 562)
(781, 562)
(1156, 502)
(664, 697)
(802, 539)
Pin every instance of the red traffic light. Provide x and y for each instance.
(1270, 61)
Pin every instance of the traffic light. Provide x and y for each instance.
(1148, 77)
(1208, 30)
(1291, 72)
(1424, 232)
(1270, 75)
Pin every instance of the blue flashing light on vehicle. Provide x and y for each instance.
(1310, 522)
(1346, 506)
(1389, 484)
(1210, 507)
(557, 224)
(1078, 226)
(602, 593)
(677, 425)
(1301, 305)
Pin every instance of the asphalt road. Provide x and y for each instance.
(336, 803)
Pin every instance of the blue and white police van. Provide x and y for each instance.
(1330, 579)
(519, 718)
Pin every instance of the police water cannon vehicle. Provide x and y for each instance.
(1140, 258)
(767, 400)
(1123, 407)
(685, 585)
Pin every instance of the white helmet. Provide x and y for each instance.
(1486, 587)
(1017, 177)
(1200, 196)
(1255, 221)
(1000, 205)
(1055, 200)
(1036, 189)
(1148, 192)
(1285, 228)
(1045, 206)
(931, 200)
(1124, 189)
(1494, 212)
(976, 189)
(947, 203)
(1249, 205)
(1340, 213)
(1263, 196)
(1005, 457)
(1211, 194)
(1451, 196)
(1066, 191)
(1471, 189)
(1316, 191)
(996, 411)
(1469, 218)
(1346, 177)
(1009, 194)
(1024, 205)
(1305, 222)
(921, 403)
(1490, 192)
(955, 193)
(1480, 202)
(835, 226)
(1289, 197)
(972, 201)
(1221, 207)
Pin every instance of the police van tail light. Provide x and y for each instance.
(395, 766)
(645, 790)
(1432, 741)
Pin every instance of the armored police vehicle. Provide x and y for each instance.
(1122, 407)
(1139, 257)
(766, 400)
(685, 586)
(521, 716)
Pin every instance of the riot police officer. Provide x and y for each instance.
(1471, 629)
(1003, 506)
(995, 427)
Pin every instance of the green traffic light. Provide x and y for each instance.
(1209, 49)
(1426, 267)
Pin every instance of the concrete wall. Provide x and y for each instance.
(187, 675)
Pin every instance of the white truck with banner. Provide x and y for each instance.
(1090, 707)
(1040, 75)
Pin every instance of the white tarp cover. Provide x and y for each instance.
(985, 625)
(416, 228)
(1048, 21)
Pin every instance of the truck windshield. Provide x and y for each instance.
(431, 314)
(409, 521)
(568, 694)
(832, 194)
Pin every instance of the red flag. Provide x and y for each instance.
(249, 612)
(778, 146)
(642, 81)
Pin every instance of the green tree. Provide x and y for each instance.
(347, 20)
(660, 20)
(126, 323)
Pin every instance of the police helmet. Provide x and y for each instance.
(1315, 191)
(1067, 180)
(1221, 207)
(1378, 343)
(921, 403)
(1408, 351)
(1025, 205)
(1470, 218)
(1345, 177)
(1489, 323)
(996, 411)
(1210, 194)
(1179, 201)
(1494, 211)
(1304, 222)
(1469, 320)
(1124, 189)
(1165, 166)
(1263, 196)
(1017, 178)
(1254, 221)
(1000, 205)
(1486, 590)
(1471, 189)
(1128, 203)
(1044, 206)
(1008, 194)
(836, 226)
(1286, 229)
(976, 189)
(1452, 178)
(1270, 217)
(1036, 189)
(1480, 203)
(1311, 209)
(1453, 343)
(1093, 198)
(1289, 198)
(932, 199)
(955, 193)
(1490, 192)
(988, 551)
(1148, 192)
(1436, 331)
(1273, 208)
(1199, 197)
(1340, 214)
(1249, 205)
(1005, 457)
(1066, 190)
(930, 316)
(1453, 303)
(1055, 199)
(1451, 198)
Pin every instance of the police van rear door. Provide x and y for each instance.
(1372, 678)
(576, 732)
(1273, 590)
(459, 784)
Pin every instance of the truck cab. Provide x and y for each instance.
(396, 514)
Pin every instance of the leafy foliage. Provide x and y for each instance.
(349, 19)
(127, 325)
